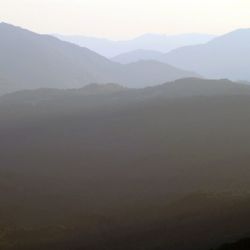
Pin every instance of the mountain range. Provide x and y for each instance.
(107, 167)
(155, 42)
(29, 60)
(226, 56)
(145, 150)
(137, 55)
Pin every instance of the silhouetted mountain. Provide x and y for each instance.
(156, 42)
(137, 55)
(109, 88)
(227, 56)
(147, 73)
(106, 167)
(47, 94)
(34, 61)
(29, 60)
(183, 88)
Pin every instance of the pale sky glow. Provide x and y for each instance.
(121, 19)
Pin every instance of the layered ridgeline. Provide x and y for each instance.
(107, 167)
(137, 55)
(227, 56)
(29, 60)
(155, 42)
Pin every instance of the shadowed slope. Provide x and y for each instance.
(165, 167)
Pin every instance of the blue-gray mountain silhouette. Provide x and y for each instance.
(227, 56)
(138, 55)
(30, 60)
(157, 42)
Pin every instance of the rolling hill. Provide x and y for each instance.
(107, 167)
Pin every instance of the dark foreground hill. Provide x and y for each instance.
(106, 167)
(243, 244)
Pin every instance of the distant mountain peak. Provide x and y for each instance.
(10, 26)
(239, 35)
(5, 24)
(240, 31)
(226, 56)
(157, 42)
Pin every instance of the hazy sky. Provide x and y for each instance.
(119, 19)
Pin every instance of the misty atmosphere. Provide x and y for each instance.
(124, 125)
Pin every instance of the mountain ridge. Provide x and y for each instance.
(226, 56)
(151, 167)
(157, 42)
(30, 60)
